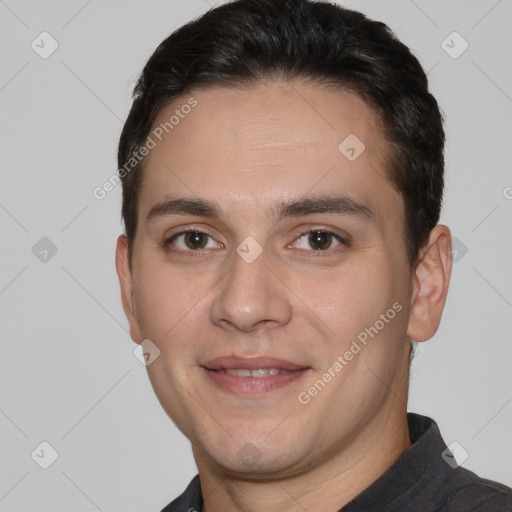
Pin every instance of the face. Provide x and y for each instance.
(270, 271)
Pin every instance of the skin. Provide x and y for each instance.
(249, 150)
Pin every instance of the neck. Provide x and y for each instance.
(324, 485)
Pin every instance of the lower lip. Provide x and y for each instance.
(252, 385)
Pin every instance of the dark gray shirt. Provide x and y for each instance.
(423, 479)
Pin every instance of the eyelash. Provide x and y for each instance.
(199, 252)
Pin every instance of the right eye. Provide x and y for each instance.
(192, 241)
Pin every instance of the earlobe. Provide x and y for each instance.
(124, 274)
(430, 286)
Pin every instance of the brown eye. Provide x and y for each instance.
(194, 240)
(188, 241)
(320, 240)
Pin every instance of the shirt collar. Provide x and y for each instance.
(411, 473)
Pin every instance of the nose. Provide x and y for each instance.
(251, 296)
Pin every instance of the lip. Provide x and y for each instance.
(252, 363)
(252, 386)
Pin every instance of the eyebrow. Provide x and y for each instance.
(342, 205)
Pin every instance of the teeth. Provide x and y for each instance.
(261, 372)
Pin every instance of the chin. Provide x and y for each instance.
(263, 460)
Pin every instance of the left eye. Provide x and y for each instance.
(193, 241)
(319, 240)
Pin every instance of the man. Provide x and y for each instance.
(282, 170)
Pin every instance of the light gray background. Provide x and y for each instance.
(68, 375)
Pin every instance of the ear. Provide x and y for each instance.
(430, 286)
(124, 273)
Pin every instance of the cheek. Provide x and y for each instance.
(160, 302)
(349, 299)
(168, 302)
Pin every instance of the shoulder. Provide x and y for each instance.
(189, 501)
(475, 494)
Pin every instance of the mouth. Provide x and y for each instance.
(252, 376)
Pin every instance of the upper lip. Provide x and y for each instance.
(253, 363)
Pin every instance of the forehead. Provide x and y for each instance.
(266, 144)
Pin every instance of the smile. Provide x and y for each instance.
(260, 372)
(253, 382)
